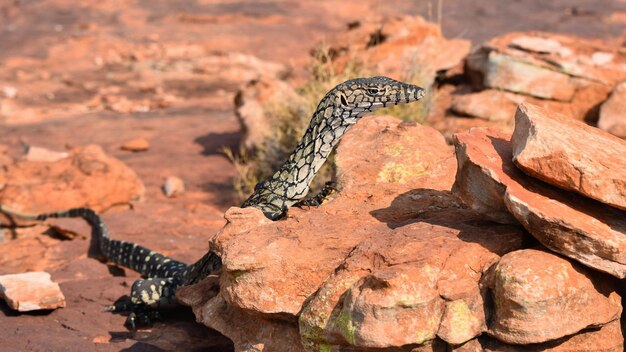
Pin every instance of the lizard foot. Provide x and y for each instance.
(329, 188)
(141, 317)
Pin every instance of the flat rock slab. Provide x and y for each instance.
(577, 227)
(570, 154)
(488, 104)
(31, 291)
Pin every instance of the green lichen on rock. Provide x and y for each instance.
(347, 327)
(462, 322)
(401, 173)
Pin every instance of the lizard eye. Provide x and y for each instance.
(373, 91)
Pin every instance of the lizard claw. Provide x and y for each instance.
(130, 322)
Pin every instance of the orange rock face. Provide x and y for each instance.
(608, 338)
(569, 224)
(570, 155)
(540, 296)
(88, 177)
(613, 112)
(487, 104)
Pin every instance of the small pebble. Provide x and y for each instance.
(136, 145)
(173, 186)
(31, 291)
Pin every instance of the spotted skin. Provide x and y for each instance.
(341, 108)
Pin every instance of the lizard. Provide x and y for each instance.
(337, 111)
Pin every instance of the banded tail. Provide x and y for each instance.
(133, 256)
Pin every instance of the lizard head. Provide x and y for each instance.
(357, 97)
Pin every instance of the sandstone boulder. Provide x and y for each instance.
(570, 155)
(582, 229)
(612, 112)
(393, 266)
(88, 177)
(540, 297)
(409, 287)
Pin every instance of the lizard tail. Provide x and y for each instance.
(99, 231)
(131, 255)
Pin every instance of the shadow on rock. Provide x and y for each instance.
(443, 208)
(178, 328)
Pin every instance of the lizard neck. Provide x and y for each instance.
(311, 153)
(291, 182)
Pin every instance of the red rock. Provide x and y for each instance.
(577, 227)
(31, 291)
(88, 177)
(565, 73)
(390, 265)
(367, 302)
(499, 106)
(402, 159)
(136, 145)
(251, 332)
(570, 155)
(482, 175)
(540, 45)
(390, 46)
(613, 112)
(255, 104)
(608, 338)
(173, 186)
(514, 75)
(44, 155)
(573, 56)
(470, 346)
(540, 297)
(488, 104)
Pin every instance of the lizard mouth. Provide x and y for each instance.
(415, 93)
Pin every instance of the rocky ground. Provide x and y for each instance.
(123, 95)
